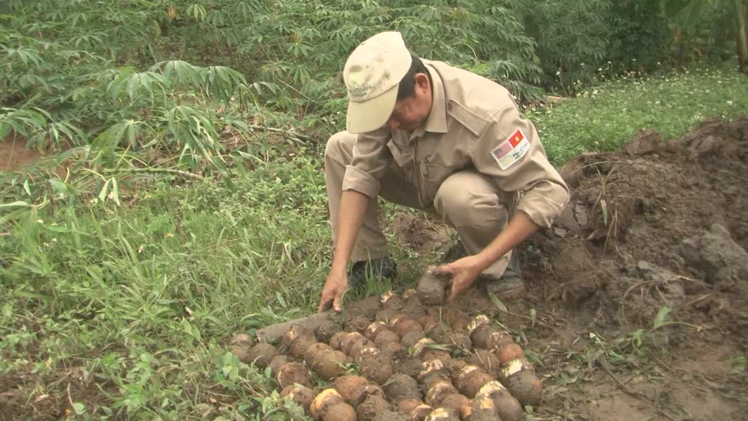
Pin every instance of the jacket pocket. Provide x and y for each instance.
(404, 159)
(432, 177)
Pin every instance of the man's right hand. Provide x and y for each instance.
(352, 208)
(335, 286)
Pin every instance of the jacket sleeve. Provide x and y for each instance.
(515, 166)
(371, 159)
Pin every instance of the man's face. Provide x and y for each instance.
(410, 113)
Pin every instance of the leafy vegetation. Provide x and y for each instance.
(188, 203)
(602, 117)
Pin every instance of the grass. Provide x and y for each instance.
(604, 117)
(125, 310)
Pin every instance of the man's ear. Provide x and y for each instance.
(422, 80)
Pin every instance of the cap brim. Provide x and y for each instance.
(368, 116)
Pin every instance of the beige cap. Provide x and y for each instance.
(372, 74)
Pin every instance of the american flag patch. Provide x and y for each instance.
(511, 150)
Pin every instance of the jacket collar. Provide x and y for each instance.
(437, 119)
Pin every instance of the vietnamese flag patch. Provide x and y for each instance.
(511, 150)
(516, 138)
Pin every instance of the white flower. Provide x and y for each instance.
(39, 221)
(729, 102)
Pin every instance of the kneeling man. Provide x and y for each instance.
(427, 135)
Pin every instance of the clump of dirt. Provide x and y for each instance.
(421, 235)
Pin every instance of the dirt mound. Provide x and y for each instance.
(655, 235)
(660, 224)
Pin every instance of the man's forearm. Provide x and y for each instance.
(518, 229)
(350, 217)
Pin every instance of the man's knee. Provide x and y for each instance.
(466, 199)
(340, 147)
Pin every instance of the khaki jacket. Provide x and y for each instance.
(474, 123)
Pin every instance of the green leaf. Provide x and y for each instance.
(60, 187)
(497, 302)
(228, 359)
(533, 316)
(685, 13)
(102, 193)
(115, 191)
(662, 317)
(79, 408)
(604, 206)
(15, 204)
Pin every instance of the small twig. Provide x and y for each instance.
(289, 133)
(152, 171)
(733, 175)
(623, 161)
(69, 398)
(692, 302)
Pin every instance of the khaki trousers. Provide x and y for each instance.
(466, 200)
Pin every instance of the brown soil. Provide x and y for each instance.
(401, 387)
(261, 355)
(15, 157)
(419, 234)
(662, 224)
(326, 331)
(293, 373)
(371, 407)
(487, 361)
(454, 402)
(347, 385)
(299, 394)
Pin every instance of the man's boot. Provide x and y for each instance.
(510, 284)
(376, 268)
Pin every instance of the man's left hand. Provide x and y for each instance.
(463, 273)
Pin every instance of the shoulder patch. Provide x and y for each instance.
(511, 150)
(473, 122)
